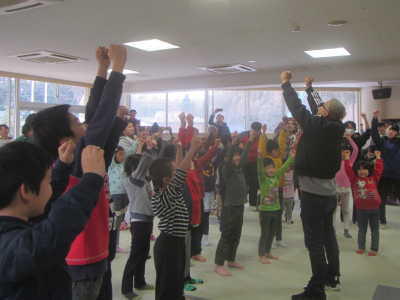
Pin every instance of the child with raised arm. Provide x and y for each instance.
(169, 206)
(364, 182)
(269, 179)
(233, 200)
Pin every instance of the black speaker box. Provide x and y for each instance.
(382, 93)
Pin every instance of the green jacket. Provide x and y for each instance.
(235, 187)
(269, 186)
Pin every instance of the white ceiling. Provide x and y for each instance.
(209, 32)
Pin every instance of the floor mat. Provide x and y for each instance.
(384, 292)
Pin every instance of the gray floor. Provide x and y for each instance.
(360, 274)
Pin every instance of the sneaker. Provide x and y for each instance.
(195, 281)
(153, 237)
(189, 287)
(123, 226)
(372, 253)
(347, 234)
(281, 244)
(132, 296)
(121, 250)
(360, 251)
(333, 284)
(307, 295)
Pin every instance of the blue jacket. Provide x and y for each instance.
(32, 260)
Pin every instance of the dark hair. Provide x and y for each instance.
(272, 145)
(394, 127)
(21, 163)
(119, 148)
(154, 128)
(345, 145)
(131, 163)
(268, 162)
(372, 148)
(28, 124)
(50, 126)
(4, 126)
(132, 110)
(256, 126)
(159, 169)
(351, 123)
(363, 164)
(381, 124)
(169, 152)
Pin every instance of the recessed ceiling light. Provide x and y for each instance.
(328, 52)
(126, 72)
(152, 45)
(252, 61)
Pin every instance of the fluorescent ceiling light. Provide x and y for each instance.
(152, 45)
(126, 72)
(328, 52)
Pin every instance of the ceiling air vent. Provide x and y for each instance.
(15, 6)
(229, 69)
(47, 57)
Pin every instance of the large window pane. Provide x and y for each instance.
(234, 108)
(73, 95)
(188, 102)
(4, 100)
(39, 91)
(265, 107)
(150, 108)
(25, 90)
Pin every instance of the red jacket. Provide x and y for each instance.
(91, 245)
(185, 136)
(253, 152)
(195, 182)
(365, 189)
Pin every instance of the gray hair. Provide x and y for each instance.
(336, 109)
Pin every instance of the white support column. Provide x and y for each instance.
(166, 109)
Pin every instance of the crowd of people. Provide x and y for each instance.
(68, 188)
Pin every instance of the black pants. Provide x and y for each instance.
(269, 223)
(206, 223)
(320, 238)
(387, 187)
(106, 287)
(231, 231)
(250, 173)
(136, 265)
(197, 234)
(169, 261)
(365, 217)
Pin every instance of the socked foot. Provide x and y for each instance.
(235, 265)
(220, 270)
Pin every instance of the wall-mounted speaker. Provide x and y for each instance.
(382, 93)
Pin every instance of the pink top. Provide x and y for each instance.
(342, 179)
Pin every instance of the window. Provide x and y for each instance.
(188, 102)
(39, 93)
(25, 90)
(233, 105)
(4, 100)
(150, 108)
(73, 95)
(265, 107)
(52, 91)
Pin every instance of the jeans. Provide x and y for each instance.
(365, 217)
(320, 238)
(269, 222)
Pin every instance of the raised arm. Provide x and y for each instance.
(378, 166)
(349, 169)
(101, 79)
(99, 127)
(298, 110)
(202, 161)
(245, 153)
(313, 97)
(355, 152)
(262, 142)
(260, 169)
(282, 170)
(282, 142)
(144, 164)
(378, 141)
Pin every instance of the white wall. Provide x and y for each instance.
(390, 108)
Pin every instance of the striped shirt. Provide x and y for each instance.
(169, 206)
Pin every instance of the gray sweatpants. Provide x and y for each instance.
(231, 231)
(269, 223)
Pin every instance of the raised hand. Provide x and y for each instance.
(93, 160)
(66, 152)
(378, 154)
(122, 112)
(117, 54)
(102, 57)
(286, 76)
(308, 81)
(346, 154)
